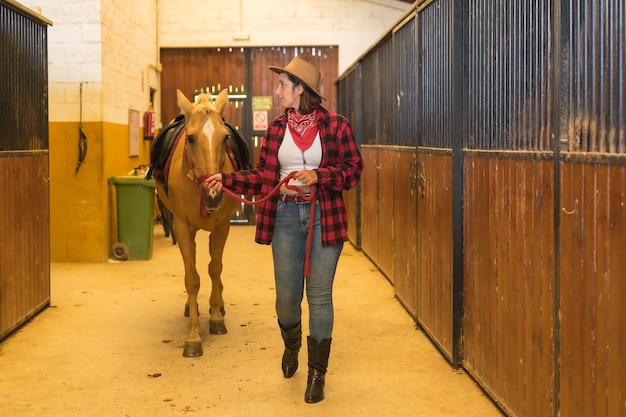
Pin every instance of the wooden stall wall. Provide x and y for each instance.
(510, 193)
(347, 97)
(385, 201)
(404, 137)
(434, 246)
(24, 167)
(264, 81)
(536, 127)
(435, 309)
(369, 203)
(591, 128)
(509, 286)
(367, 113)
(592, 299)
(24, 238)
(406, 196)
(194, 70)
(388, 196)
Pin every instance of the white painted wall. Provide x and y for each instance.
(129, 56)
(111, 46)
(74, 56)
(353, 25)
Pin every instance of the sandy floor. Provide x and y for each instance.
(111, 345)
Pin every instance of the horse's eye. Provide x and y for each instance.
(191, 139)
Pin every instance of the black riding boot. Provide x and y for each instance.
(293, 341)
(318, 363)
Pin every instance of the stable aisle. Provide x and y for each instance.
(111, 345)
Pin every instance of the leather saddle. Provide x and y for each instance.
(163, 145)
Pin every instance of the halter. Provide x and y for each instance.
(199, 179)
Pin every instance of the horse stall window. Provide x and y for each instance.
(509, 105)
(388, 100)
(435, 72)
(24, 80)
(592, 77)
(405, 130)
(370, 101)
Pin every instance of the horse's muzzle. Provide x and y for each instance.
(212, 200)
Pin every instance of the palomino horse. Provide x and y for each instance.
(200, 149)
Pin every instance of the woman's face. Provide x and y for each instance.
(288, 95)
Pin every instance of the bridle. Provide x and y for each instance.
(200, 179)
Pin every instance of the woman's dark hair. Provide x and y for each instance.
(309, 100)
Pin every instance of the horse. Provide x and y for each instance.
(180, 166)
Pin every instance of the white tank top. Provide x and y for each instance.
(291, 158)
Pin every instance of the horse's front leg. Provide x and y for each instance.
(187, 245)
(217, 241)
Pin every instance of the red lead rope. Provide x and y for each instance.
(310, 198)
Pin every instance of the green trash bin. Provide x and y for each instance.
(135, 217)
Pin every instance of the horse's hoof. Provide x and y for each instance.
(217, 327)
(192, 349)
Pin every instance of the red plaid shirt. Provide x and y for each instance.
(339, 170)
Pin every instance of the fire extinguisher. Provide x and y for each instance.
(148, 123)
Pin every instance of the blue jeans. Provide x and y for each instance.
(288, 250)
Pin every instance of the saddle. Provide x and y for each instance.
(163, 145)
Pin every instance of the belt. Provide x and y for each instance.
(294, 198)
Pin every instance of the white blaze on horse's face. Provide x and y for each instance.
(214, 146)
(206, 137)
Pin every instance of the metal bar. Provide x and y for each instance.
(459, 48)
(560, 77)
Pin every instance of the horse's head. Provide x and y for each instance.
(205, 143)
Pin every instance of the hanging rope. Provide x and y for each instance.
(82, 137)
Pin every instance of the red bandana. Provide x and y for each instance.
(303, 128)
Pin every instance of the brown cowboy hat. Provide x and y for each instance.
(303, 71)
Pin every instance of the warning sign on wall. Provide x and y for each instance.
(261, 105)
(259, 119)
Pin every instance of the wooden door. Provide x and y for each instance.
(24, 189)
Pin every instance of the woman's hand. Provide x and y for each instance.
(214, 182)
(306, 176)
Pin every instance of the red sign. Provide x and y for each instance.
(259, 120)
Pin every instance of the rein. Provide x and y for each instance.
(201, 179)
(310, 198)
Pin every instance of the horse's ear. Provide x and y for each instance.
(185, 105)
(221, 101)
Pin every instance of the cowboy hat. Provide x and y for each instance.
(303, 71)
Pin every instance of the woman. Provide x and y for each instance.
(318, 145)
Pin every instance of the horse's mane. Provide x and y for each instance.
(204, 104)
